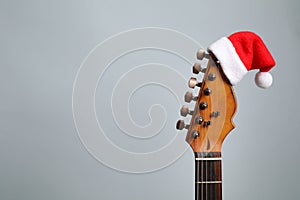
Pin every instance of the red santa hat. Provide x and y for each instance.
(241, 52)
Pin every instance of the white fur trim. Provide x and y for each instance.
(231, 63)
(263, 79)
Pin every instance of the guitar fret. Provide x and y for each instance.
(208, 182)
(208, 158)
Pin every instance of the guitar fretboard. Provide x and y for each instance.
(208, 176)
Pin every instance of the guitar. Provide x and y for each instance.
(215, 106)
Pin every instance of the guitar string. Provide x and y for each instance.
(206, 155)
(206, 179)
(197, 185)
(198, 173)
(202, 179)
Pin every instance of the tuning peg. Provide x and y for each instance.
(198, 68)
(193, 82)
(203, 105)
(188, 97)
(207, 91)
(181, 125)
(201, 53)
(195, 134)
(184, 111)
(199, 119)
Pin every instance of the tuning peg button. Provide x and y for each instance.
(184, 111)
(193, 83)
(181, 125)
(188, 97)
(198, 68)
(201, 53)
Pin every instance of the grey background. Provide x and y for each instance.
(42, 46)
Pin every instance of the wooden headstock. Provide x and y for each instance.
(215, 107)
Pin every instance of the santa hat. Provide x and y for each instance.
(241, 52)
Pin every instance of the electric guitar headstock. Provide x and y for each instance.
(211, 120)
(214, 109)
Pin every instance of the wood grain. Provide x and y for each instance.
(222, 100)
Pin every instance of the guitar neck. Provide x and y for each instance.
(208, 176)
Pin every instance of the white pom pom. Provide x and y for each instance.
(263, 79)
